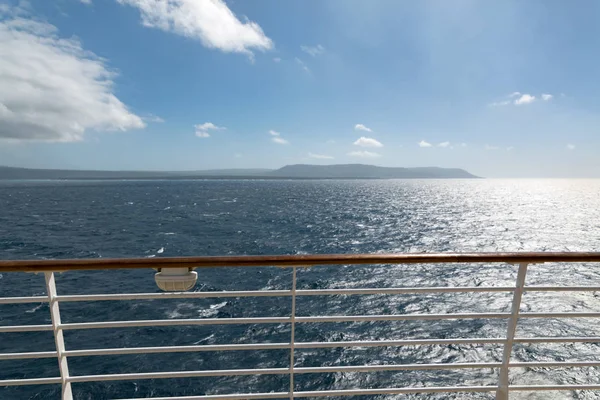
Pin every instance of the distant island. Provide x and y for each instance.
(362, 171)
(298, 171)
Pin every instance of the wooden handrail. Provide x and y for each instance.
(293, 260)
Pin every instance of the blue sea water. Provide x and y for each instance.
(91, 219)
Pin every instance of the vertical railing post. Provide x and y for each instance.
(58, 336)
(502, 392)
(293, 332)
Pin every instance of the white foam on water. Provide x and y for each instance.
(212, 310)
(34, 309)
(206, 339)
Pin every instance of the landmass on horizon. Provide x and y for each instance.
(298, 171)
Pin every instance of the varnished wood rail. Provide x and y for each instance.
(294, 260)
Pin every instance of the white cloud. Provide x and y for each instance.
(202, 129)
(238, 155)
(367, 142)
(364, 154)
(88, 2)
(276, 137)
(208, 126)
(153, 118)
(463, 145)
(444, 144)
(361, 127)
(510, 148)
(488, 147)
(209, 21)
(320, 156)
(330, 141)
(524, 99)
(520, 99)
(277, 59)
(570, 146)
(279, 140)
(313, 50)
(51, 89)
(500, 103)
(423, 143)
(302, 64)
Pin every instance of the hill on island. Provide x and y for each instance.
(368, 172)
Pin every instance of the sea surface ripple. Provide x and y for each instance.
(92, 219)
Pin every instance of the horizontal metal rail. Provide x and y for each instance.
(552, 364)
(390, 343)
(178, 374)
(278, 371)
(502, 390)
(251, 346)
(283, 293)
(278, 320)
(560, 315)
(286, 293)
(25, 328)
(330, 369)
(175, 322)
(270, 395)
(331, 393)
(561, 288)
(536, 388)
(298, 345)
(249, 396)
(411, 290)
(368, 392)
(560, 339)
(30, 381)
(402, 317)
(30, 355)
(23, 300)
(177, 349)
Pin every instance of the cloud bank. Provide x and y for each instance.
(51, 89)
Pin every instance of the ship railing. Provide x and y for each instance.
(294, 262)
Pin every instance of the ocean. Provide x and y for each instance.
(92, 219)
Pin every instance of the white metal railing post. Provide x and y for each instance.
(502, 392)
(293, 332)
(59, 340)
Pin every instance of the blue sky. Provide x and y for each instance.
(500, 88)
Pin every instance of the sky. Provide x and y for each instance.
(500, 88)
